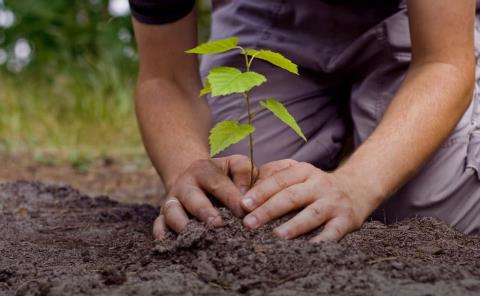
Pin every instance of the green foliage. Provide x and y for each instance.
(207, 88)
(227, 80)
(74, 92)
(65, 33)
(227, 133)
(80, 162)
(223, 81)
(274, 58)
(281, 112)
(88, 111)
(217, 46)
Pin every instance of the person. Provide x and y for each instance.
(398, 77)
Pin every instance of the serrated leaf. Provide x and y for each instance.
(281, 112)
(227, 133)
(216, 46)
(228, 80)
(274, 58)
(206, 88)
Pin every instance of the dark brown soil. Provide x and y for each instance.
(57, 241)
(123, 178)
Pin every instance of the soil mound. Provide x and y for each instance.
(56, 241)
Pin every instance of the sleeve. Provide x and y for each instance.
(160, 11)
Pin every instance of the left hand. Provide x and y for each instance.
(326, 199)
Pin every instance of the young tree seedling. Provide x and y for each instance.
(223, 81)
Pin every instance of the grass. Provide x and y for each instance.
(76, 113)
(81, 111)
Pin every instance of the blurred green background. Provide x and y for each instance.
(67, 76)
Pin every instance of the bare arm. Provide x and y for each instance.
(435, 94)
(174, 122)
(173, 119)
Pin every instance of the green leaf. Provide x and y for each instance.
(279, 110)
(275, 58)
(228, 80)
(227, 133)
(215, 46)
(206, 88)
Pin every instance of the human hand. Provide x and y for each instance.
(326, 199)
(226, 178)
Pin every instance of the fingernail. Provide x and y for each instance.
(244, 189)
(281, 232)
(210, 220)
(158, 236)
(248, 203)
(214, 221)
(319, 239)
(250, 222)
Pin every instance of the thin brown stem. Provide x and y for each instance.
(254, 113)
(250, 140)
(250, 119)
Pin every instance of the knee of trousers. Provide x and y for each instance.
(448, 185)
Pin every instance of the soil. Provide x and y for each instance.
(55, 240)
(123, 178)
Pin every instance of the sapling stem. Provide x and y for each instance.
(250, 140)
(254, 113)
(250, 119)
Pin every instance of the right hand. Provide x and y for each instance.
(226, 178)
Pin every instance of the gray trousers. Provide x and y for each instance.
(353, 57)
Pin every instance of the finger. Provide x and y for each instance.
(240, 169)
(222, 187)
(280, 180)
(159, 227)
(175, 216)
(307, 220)
(334, 230)
(287, 200)
(197, 203)
(270, 168)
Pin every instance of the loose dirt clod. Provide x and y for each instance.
(70, 244)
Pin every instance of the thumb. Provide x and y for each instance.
(239, 168)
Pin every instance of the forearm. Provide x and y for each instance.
(423, 113)
(173, 119)
(174, 123)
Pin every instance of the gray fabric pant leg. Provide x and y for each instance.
(308, 97)
(353, 59)
(448, 186)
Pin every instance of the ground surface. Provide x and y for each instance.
(126, 179)
(57, 241)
